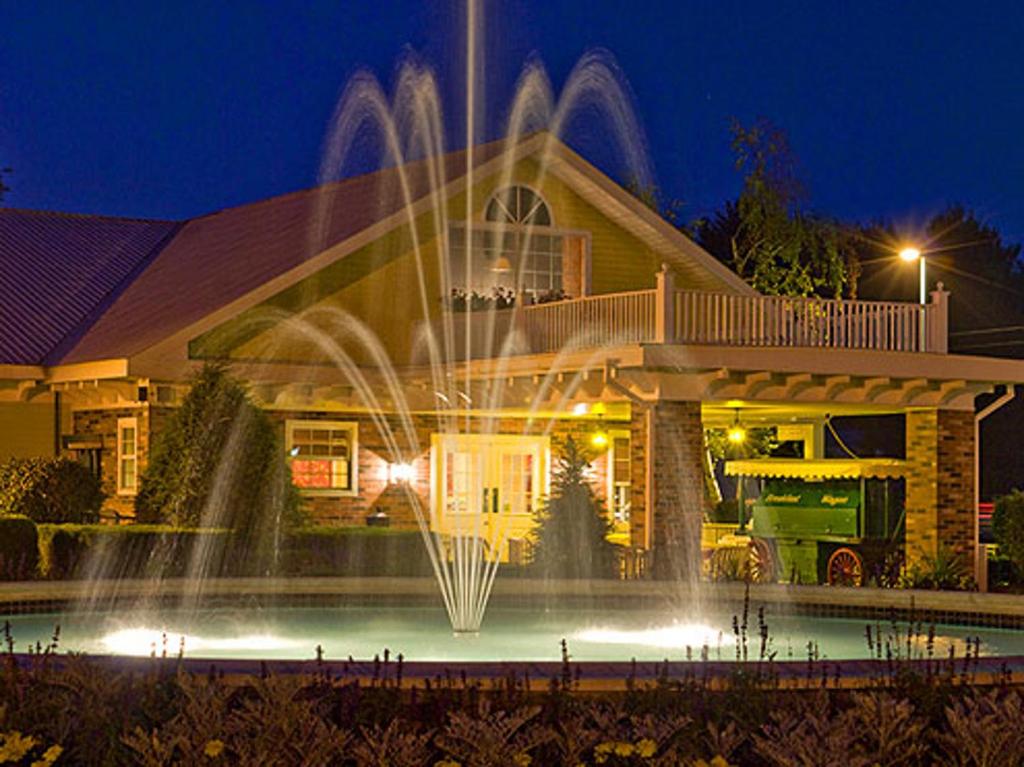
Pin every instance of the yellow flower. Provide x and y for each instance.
(719, 761)
(14, 746)
(49, 756)
(522, 760)
(213, 748)
(623, 749)
(447, 763)
(646, 748)
(605, 748)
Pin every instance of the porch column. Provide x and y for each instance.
(940, 484)
(673, 489)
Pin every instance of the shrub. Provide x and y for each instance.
(154, 551)
(1008, 527)
(946, 571)
(141, 551)
(50, 490)
(354, 551)
(572, 531)
(218, 463)
(19, 548)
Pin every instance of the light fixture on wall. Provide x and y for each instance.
(401, 473)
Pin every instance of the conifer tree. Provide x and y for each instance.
(571, 539)
(217, 463)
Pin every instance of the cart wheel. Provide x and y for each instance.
(845, 568)
(724, 564)
(760, 561)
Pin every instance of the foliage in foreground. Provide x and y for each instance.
(914, 710)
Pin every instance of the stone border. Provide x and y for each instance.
(958, 608)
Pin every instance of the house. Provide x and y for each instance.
(345, 308)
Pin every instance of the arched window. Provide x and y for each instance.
(518, 205)
(514, 248)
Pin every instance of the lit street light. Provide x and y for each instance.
(913, 254)
(910, 254)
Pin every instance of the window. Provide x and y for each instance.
(127, 455)
(323, 456)
(619, 485)
(514, 248)
(518, 205)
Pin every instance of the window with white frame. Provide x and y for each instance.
(515, 248)
(619, 481)
(127, 455)
(323, 455)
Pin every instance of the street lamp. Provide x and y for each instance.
(910, 254)
(913, 254)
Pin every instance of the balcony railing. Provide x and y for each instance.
(713, 318)
(613, 318)
(667, 315)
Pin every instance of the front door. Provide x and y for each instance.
(488, 487)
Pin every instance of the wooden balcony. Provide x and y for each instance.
(669, 316)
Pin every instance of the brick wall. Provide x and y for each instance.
(103, 424)
(374, 491)
(677, 492)
(940, 483)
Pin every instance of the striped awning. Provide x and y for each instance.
(821, 468)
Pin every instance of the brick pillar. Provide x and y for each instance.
(674, 488)
(940, 484)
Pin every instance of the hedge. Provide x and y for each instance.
(143, 551)
(49, 490)
(19, 548)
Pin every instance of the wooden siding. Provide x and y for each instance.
(26, 429)
(379, 284)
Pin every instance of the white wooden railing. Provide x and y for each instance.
(612, 318)
(670, 316)
(715, 318)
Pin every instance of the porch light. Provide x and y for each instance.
(599, 439)
(401, 473)
(736, 433)
(580, 408)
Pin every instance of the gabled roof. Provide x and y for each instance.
(58, 271)
(89, 288)
(218, 258)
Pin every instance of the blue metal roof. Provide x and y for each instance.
(59, 271)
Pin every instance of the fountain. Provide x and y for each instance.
(411, 131)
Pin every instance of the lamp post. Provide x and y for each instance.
(910, 254)
(913, 254)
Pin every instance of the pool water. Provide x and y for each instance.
(508, 634)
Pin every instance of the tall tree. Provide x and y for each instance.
(766, 236)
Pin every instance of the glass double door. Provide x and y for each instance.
(489, 487)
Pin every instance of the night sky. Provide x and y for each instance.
(176, 109)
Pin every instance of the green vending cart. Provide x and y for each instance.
(834, 521)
